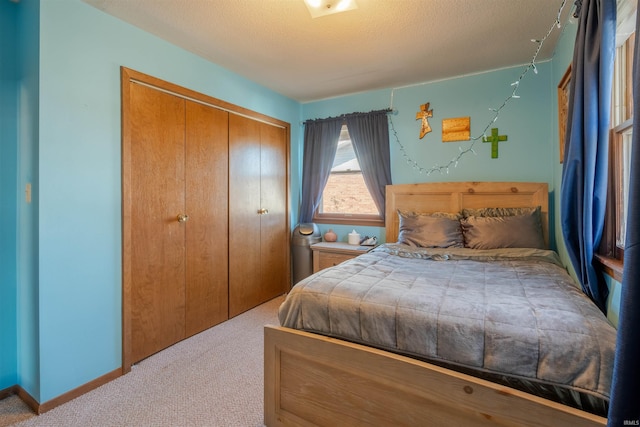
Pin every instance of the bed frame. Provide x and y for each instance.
(315, 380)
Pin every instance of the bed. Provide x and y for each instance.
(406, 335)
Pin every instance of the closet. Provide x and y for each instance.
(258, 228)
(205, 212)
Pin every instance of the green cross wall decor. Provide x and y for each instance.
(494, 139)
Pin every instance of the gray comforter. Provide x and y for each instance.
(515, 313)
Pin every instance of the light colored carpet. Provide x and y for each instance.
(212, 379)
(12, 410)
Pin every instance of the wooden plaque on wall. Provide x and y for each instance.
(457, 129)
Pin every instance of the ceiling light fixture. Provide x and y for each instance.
(318, 8)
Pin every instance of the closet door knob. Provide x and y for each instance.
(183, 218)
(263, 211)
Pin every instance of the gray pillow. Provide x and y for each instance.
(430, 230)
(515, 231)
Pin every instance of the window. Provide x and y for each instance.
(345, 198)
(622, 162)
(612, 247)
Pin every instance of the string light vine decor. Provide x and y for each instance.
(483, 136)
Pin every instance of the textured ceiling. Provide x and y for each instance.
(381, 44)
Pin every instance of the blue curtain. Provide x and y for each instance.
(624, 408)
(320, 145)
(370, 138)
(584, 176)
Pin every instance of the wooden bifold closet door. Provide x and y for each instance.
(179, 228)
(258, 227)
(207, 206)
(205, 225)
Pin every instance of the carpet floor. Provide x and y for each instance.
(214, 378)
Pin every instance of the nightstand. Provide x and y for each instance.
(328, 254)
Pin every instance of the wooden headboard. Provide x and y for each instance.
(454, 196)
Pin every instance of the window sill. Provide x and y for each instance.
(611, 266)
(349, 220)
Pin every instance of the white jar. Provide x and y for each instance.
(354, 238)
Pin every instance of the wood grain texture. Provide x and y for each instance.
(157, 238)
(329, 254)
(455, 196)
(456, 129)
(127, 190)
(328, 259)
(315, 380)
(258, 243)
(207, 164)
(244, 222)
(274, 226)
(206, 199)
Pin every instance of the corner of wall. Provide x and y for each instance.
(27, 298)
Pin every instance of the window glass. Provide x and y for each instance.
(619, 113)
(346, 191)
(345, 198)
(623, 185)
(619, 160)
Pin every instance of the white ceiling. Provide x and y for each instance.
(381, 44)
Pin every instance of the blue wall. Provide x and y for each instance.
(68, 317)
(561, 61)
(8, 191)
(27, 247)
(528, 154)
(69, 245)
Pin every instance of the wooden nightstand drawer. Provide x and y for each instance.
(328, 254)
(328, 259)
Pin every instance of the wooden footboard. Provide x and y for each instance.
(314, 380)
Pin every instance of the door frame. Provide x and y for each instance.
(127, 78)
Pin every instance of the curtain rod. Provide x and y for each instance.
(344, 116)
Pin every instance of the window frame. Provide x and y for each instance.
(348, 219)
(610, 256)
(375, 220)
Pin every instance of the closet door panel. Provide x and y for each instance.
(244, 220)
(274, 236)
(183, 157)
(207, 228)
(158, 239)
